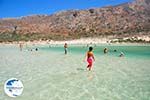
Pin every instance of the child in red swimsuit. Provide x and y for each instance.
(90, 58)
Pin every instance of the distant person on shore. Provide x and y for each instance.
(20, 46)
(65, 48)
(121, 54)
(90, 58)
(105, 50)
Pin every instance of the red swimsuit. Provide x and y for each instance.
(89, 59)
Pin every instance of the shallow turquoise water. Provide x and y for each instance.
(129, 51)
(48, 74)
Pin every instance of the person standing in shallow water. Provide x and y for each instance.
(65, 48)
(90, 58)
(105, 50)
(20, 46)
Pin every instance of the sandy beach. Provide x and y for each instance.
(85, 41)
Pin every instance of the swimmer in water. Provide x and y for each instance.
(90, 58)
(105, 50)
(121, 54)
(115, 50)
(36, 49)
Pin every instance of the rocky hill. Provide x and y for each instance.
(127, 19)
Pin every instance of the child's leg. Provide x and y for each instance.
(89, 63)
(90, 66)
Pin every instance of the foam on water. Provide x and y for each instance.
(48, 74)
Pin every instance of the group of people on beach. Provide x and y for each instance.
(21, 48)
(90, 55)
(106, 51)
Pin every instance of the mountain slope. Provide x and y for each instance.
(121, 20)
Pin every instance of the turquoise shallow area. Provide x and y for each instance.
(129, 51)
(48, 74)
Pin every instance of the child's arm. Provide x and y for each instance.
(93, 57)
(85, 57)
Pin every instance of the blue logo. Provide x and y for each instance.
(13, 87)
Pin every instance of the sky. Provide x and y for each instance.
(19, 8)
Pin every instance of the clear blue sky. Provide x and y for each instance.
(17, 8)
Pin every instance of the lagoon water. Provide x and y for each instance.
(49, 74)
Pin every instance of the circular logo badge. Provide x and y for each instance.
(13, 87)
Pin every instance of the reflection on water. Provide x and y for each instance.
(90, 75)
